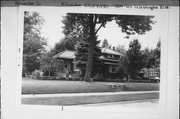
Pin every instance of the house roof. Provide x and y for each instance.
(110, 51)
(71, 54)
(66, 54)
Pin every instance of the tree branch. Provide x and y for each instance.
(99, 27)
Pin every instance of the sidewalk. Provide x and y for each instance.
(86, 94)
(87, 98)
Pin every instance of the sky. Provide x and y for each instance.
(52, 30)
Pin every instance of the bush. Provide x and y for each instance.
(98, 77)
(114, 80)
(35, 75)
(51, 78)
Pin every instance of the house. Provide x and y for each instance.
(111, 60)
(151, 73)
(109, 57)
(69, 68)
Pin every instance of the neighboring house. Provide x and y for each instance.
(151, 73)
(69, 68)
(110, 59)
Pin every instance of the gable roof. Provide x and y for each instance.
(110, 51)
(66, 54)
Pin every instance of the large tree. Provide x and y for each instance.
(81, 56)
(76, 24)
(135, 58)
(33, 43)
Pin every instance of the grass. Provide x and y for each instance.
(32, 86)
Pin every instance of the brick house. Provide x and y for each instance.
(109, 57)
(111, 60)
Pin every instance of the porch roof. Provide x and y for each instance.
(67, 54)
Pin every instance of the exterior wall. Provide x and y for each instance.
(110, 59)
(108, 74)
(68, 68)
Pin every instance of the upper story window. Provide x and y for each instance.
(110, 56)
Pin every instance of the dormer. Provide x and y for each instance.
(110, 53)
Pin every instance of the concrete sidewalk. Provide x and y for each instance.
(85, 94)
(87, 98)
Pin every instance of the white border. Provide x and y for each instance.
(30, 109)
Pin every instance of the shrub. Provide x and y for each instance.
(98, 77)
(35, 75)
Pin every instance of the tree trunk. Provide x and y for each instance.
(49, 73)
(89, 61)
(90, 51)
(148, 75)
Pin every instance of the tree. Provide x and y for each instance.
(149, 58)
(76, 24)
(135, 58)
(50, 64)
(64, 44)
(123, 67)
(157, 53)
(33, 43)
(81, 56)
(105, 43)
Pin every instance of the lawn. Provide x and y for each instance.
(32, 86)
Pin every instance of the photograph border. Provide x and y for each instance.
(56, 110)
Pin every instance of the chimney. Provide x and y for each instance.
(114, 48)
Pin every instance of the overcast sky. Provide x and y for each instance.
(52, 29)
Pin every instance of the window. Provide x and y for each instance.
(75, 68)
(110, 56)
(67, 66)
(113, 69)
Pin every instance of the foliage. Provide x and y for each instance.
(81, 56)
(33, 43)
(105, 43)
(152, 57)
(78, 24)
(64, 44)
(157, 53)
(51, 65)
(135, 58)
(149, 58)
(123, 67)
